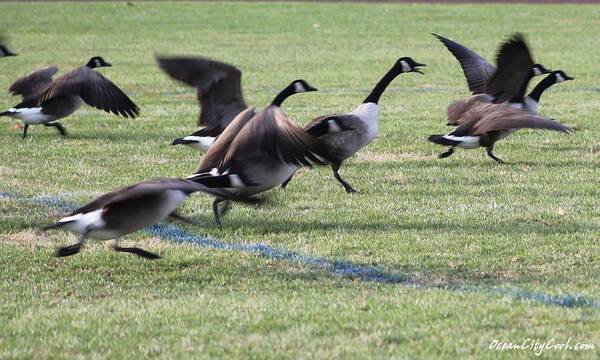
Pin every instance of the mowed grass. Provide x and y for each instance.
(462, 221)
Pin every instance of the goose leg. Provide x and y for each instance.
(284, 184)
(134, 250)
(447, 153)
(216, 210)
(25, 127)
(336, 174)
(226, 207)
(58, 127)
(72, 249)
(490, 153)
(181, 218)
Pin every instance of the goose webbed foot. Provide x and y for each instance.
(137, 251)
(349, 189)
(68, 250)
(72, 249)
(58, 127)
(490, 153)
(446, 153)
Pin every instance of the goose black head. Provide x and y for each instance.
(301, 86)
(5, 52)
(96, 62)
(295, 87)
(406, 64)
(560, 76)
(539, 69)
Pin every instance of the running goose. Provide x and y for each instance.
(483, 124)
(508, 82)
(345, 134)
(530, 103)
(257, 152)
(46, 101)
(125, 211)
(219, 95)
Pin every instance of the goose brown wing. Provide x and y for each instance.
(477, 70)
(221, 147)
(292, 143)
(270, 133)
(94, 89)
(33, 83)
(494, 117)
(219, 87)
(458, 109)
(514, 62)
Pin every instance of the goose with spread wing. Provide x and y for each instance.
(257, 152)
(218, 91)
(46, 101)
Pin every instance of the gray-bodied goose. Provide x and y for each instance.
(124, 211)
(345, 134)
(219, 94)
(509, 81)
(46, 101)
(483, 124)
(257, 152)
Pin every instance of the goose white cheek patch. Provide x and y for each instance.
(405, 66)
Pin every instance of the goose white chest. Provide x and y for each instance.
(368, 113)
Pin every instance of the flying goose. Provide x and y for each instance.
(125, 211)
(3, 49)
(46, 101)
(257, 152)
(219, 95)
(506, 83)
(483, 124)
(345, 134)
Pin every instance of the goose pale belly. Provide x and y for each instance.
(135, 220)
(50, 111)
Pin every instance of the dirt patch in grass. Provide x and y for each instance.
(6, 171)
(28, 238)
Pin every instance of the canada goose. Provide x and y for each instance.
(345, 134)
(483, 124)
(508, 82)
(124, 211)
(257, 152)
(3, 49)
(219, 95)
(46, 101)
(457, 109)
(531, 101)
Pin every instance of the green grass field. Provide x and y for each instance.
(461, 222)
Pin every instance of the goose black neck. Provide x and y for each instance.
(521, 94)
(381, 86)
(284, 94)
(539, 89)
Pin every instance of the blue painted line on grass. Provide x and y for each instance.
(337, 267)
